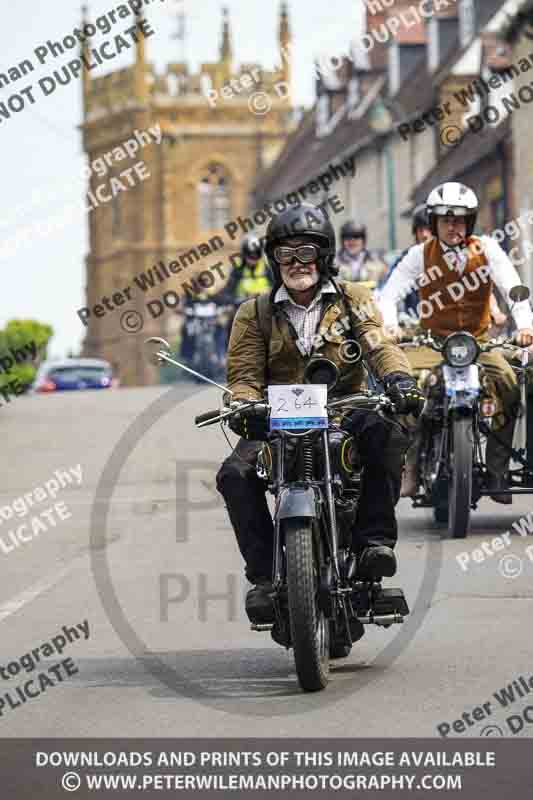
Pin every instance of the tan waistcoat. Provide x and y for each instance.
(454, 301)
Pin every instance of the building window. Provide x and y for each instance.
(215, 198)
(467, 21)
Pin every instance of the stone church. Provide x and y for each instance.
(156, 233)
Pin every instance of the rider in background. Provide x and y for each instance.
(422, 233)
(251, 276)
(355, 261)
(473, 265)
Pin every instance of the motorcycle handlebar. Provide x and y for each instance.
(210, 417)
(206, 417)
(259, 409)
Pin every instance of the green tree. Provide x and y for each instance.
(16, 335)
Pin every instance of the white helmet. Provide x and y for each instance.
(453, 199)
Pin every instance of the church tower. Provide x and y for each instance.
(199, 146)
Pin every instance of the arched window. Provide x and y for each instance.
(215, 198)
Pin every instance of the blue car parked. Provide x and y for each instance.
(74, 374)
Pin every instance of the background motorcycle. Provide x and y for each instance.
(455, 422)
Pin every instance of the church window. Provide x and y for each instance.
(215, 198)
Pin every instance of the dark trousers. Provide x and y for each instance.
(381, 444)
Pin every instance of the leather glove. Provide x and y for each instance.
(403, 390)
(250, 426)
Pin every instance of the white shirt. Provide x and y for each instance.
(405, 276)
(304, 319)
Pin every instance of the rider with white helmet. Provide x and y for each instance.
(454, 273)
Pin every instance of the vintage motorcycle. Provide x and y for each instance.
(460, 413)
(311, 467)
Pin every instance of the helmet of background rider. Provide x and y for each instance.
(351, 230)
(453, 199)
(309, 222)
(251, 247)
(420, 218)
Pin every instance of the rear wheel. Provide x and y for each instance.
(460, 492)
(309, 626)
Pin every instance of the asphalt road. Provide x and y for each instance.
(159, 582)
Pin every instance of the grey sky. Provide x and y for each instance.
(43, 274)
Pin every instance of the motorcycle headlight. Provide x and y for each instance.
(460, 350)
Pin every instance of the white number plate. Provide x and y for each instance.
(298, 406)
(461, 380)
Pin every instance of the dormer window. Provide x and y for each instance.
(467, 22)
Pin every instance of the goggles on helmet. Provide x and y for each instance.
(304, 253)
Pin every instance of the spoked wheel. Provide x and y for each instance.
(460, 492)
(309, 626)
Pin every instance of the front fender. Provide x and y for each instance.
(298, 502)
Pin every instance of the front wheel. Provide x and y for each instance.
(460, 491)
(309, 626)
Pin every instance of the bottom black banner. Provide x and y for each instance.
(211, 768)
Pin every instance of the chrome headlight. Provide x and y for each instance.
(460, 350)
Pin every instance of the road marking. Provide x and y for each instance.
(28, 595)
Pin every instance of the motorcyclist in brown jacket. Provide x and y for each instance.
(312, 313)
